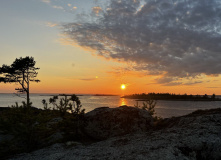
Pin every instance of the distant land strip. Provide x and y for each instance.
(172, 97)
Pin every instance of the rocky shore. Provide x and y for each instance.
(194, 136)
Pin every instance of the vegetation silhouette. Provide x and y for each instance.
(175, 97)
(149, 105)
(34, 128)
(22, 71)
(70, 109)
(71, 104)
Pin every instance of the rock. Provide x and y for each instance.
(56, 137)
(191, 137)
(105, 122)
(72, 143)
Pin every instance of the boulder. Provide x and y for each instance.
(56, 137)
(105, 122)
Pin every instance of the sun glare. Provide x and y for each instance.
(123, 86)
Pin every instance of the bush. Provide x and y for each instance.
(73, 115)
(71, 105)
(29, 126)
(149, 105)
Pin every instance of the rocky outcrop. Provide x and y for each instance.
(193, 137)
(104, 122)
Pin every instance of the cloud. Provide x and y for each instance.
(212, 87)
(177, 41)
(88, 79)
(174, 81)
(192, 83)
(172, 84)
(50, 24)
(96, 10)
(46, 1)
(57, 7)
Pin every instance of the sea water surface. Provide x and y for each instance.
(164, 109)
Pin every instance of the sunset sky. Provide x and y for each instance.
(94, 46)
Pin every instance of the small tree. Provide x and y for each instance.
(148, 105)
(213, 97)
(71, 105)
(21, 71)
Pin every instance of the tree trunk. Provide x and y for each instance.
(28, 99)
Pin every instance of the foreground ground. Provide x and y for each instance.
(195, 136)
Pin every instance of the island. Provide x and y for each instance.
(171, 97)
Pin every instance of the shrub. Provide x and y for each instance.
(149, 105)
(71, 105)
(70, 109)
(27, 126)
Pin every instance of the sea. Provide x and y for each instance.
(164, 109)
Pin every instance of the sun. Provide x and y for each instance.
(123, 86)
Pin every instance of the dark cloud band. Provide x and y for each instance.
(178, 39)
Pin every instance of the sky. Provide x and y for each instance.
(94, 46)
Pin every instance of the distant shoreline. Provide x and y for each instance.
(63, 94)
(196, 100)
(171, 97)
(88, 95)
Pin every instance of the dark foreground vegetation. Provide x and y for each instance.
(24, 128)
(175, 97)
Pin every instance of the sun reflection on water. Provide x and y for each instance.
(123, 102)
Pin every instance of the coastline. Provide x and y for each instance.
(195, 100)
